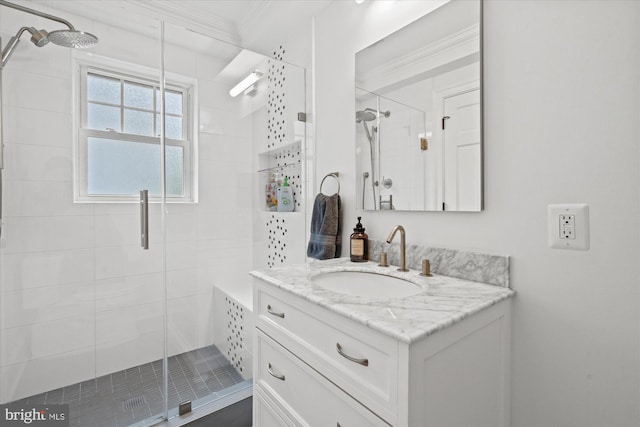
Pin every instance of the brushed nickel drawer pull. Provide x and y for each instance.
(280, 377)
(274, 313)
(364, 362)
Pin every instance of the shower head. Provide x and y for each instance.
(73, 38)
(386, 114)
(67, 38)
(364, 116)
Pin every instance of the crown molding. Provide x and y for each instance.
(419, 61)
(183, 13)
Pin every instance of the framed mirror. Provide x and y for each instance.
(418, 118)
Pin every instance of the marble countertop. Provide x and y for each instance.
(442, 302)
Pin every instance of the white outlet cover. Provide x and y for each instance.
(581, 214)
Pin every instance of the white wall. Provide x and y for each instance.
(79, 297)
(562, 125)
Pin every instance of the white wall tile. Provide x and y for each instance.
(179, 60)
(122, 230)
(33, 234)
(128, 291)
(181, 283)
(132, 260)
(216, 95)
(40, 375)
(37, 127)
(37, 163)
(38, 305)
(46, 339)
(31, 270)
(122, 45)
(189, 324)
(41, 198)
(125, 353)
(180, 222)
(25, 89)
(215, 225)
(124, 323)
(181, 255)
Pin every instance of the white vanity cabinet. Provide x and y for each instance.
(315, 367)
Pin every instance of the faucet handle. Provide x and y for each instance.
(383, 260)
(426, 268)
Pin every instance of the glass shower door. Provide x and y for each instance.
(82, 314)
(208, 224)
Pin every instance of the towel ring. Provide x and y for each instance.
(334, 175)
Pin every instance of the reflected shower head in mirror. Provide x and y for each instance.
(378, 112)
(364, 116)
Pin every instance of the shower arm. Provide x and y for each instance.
(37, 13)
(13, 43)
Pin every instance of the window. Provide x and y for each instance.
(118, 144)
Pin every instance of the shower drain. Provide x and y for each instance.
(134, 402)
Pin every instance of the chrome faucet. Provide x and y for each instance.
(403, 246)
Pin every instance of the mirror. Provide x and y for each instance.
(418, 114)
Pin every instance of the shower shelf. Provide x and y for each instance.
(280, 167)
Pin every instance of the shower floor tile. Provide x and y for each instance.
(132, 395)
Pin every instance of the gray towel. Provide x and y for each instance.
(326, 239)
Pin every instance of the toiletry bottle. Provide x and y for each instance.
(359, 243)
(285, 197)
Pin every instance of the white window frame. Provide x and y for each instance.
(85, 64)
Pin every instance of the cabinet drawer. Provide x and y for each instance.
(360, 361)
(265, 415)
(309, 398)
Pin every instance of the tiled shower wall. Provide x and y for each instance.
(79, 298)
(283, 235)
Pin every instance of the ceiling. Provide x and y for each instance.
(254, 24)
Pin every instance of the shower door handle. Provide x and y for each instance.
(144, 219)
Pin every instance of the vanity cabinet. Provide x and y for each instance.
(315, 367)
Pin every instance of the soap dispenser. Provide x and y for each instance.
(359, 244)
(285, 197)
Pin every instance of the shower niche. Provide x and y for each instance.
(280, 152)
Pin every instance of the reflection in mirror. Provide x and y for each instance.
(418, 114)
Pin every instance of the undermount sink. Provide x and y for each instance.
(365, 284)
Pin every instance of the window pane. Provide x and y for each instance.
(103, 89)
(173, 127)
(138, 96)
(138, 122)
(103, 117)
(122, 167)
(174, 101)
(175, 170)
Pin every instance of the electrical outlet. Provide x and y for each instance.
(568, 226)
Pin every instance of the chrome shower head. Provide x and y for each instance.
(67, 38)
(73, 38)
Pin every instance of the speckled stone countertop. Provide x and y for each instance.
(442, 302)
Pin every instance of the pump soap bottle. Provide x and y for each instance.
(285, 197)
(359, 243)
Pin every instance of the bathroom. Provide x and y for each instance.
(560, 118)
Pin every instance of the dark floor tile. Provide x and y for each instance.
(100, 402)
